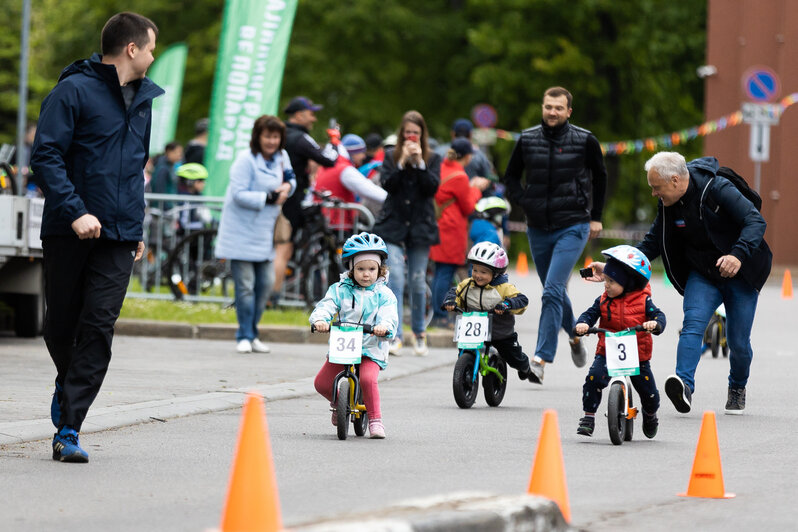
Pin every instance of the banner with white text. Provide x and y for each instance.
(249, 73)
(167, 72)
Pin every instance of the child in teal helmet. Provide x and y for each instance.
(361, 296)
(626, 302)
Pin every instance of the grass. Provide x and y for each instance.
(196, 313)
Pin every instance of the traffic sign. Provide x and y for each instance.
(760, 113)
(761, 84)
(759, 145)
(484, 115)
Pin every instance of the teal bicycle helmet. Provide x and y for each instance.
(364, 243)
(633, 261)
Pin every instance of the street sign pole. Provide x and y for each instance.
(760, 117)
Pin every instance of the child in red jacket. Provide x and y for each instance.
(626, 302)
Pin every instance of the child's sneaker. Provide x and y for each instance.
(376, 429)
(586, 426)
(650, 424)
(66, 447)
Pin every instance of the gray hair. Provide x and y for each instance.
(668, 163)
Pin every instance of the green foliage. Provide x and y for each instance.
(630, 65)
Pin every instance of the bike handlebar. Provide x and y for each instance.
(367, 329)
(596, 330)
(460, 310)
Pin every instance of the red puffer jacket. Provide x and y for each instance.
(622, 312)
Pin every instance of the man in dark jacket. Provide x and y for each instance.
(301, 149)
(711, 239)
(88, 158)
(563, 199)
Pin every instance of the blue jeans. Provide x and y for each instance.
(253, 282)
(441, 283)
(555, 254)
(417, 271)
(701, 298)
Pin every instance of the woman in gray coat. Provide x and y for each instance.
(261, 179)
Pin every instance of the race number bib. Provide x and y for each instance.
(346, 345)
(472, 330)
(621, 351)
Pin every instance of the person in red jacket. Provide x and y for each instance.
(454, 201)
(626, 302)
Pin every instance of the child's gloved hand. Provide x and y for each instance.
(581, 328)
(502, 307)
(448, 304)
(322, 326)
(380, 330)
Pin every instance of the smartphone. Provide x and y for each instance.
(412, 137)
(586, 272)
(333, 124)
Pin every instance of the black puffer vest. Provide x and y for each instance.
(558, 182)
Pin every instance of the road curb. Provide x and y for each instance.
(456, 512)
(227, 331)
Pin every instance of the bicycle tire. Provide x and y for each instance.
(317, 274)
(342, 408)
(361, 422)
(630, 422)
(465, 384)
(616, 420)
(187, 274)
(714, 338)
(494, 387)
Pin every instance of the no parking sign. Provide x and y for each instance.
(761, 84)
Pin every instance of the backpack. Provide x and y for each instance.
(738, 181)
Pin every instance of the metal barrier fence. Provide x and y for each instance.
(180, 233)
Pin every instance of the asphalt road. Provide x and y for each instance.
(173, 475)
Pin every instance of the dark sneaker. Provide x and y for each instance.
(66, 447)
(536, 372)
(735, 402)
(678, 393)
(578, 352)
(55, 405)
(586, 426)
(650, 424)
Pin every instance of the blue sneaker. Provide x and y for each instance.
(55, 406)
(66, 447)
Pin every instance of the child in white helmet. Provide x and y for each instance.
(489, 288)
(626, 302)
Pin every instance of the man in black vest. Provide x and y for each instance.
(563, 198)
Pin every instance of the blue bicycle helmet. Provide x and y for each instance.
(364, 243)
(636, 264)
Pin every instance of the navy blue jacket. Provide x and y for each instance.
(89, 153)
(731, 222)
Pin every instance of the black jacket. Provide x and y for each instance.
(731, 222)
(565, 176)
(90, 150)
(408, 214)
(301, 147)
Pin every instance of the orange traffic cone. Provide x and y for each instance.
(548, 471)
(706, 480)
(786, 285)
(522, 267)
(588, 262)
(252, 502)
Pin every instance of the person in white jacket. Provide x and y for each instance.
(361, 296)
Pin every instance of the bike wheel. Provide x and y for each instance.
(465, 383)
(319, 271)
(714, 335)
(616, 419)
(494, 387)
(342, 408)
(360, 423)
(192, 269)
(724, 341)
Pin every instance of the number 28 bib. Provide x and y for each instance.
(472, 329)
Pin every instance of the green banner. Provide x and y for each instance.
(249, 73)
(167, 71)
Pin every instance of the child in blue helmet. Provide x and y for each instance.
(361, 296)
(626, 302)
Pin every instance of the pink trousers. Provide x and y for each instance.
(369, 371)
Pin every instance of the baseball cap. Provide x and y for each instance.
(462, 127)
(300, 103)
(373, 141)
(462, 146)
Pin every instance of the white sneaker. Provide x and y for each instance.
(260, 347)
(420, 346)
(244, 346)
(395, 346)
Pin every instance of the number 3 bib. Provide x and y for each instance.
(621, 352)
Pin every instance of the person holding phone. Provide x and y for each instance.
(410, 175)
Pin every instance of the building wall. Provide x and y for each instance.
(742, 34)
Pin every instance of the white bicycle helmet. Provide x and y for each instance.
(633, 261)
(489, 254)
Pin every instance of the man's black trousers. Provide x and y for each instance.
(84, 285)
